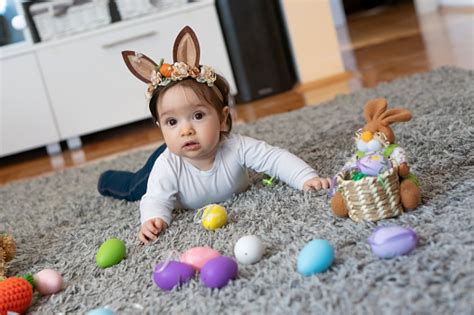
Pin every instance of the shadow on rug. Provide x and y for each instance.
(59, 222)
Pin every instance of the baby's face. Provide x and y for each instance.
(191, 127)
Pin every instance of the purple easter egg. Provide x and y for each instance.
(373, 164)
(391, 241)
(218, 271)
(174, 273)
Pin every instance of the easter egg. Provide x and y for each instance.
(373, 164)
(48, 281)
(173, 273)
(110, 253)
(316, 256)
(100, 311)
(391, 241)
(248, 249)
(197, 257)
(214, 217)
(218, 271)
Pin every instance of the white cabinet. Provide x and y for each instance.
(26, 119)
(90, 87)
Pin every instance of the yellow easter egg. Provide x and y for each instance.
(214, 217)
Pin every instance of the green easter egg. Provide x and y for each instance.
(110, 253)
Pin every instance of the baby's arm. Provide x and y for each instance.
(159, 200)
(262, 157)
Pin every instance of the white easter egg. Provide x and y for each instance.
(248, 249)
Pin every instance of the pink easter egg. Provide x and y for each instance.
(199, 256)
(48, 281)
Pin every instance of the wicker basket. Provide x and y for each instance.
(371, 198)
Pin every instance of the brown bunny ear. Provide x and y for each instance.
(374, 108)
(186, 47)
(395, 115)
(139, 65)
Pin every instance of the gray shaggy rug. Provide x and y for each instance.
(60, 221)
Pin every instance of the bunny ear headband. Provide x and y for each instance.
(186, 53)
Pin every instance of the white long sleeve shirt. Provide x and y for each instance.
(176, 184)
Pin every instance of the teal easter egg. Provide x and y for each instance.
(110, 253)
(316, 256)
(101, 311)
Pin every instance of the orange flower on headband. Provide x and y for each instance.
(165, 69)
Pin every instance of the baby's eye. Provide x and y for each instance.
(198, 115)
(171, 121)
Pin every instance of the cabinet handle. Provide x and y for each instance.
(128, 39)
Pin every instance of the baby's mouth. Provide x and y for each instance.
(191, 145)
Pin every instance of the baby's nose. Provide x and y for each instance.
(366, 136)
(187, 131)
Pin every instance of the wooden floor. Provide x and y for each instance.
(377, 46)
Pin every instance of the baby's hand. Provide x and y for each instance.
(150, 230)
(316, 183)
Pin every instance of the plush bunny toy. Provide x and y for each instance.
(377, 136)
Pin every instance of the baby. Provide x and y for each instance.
(203, 162)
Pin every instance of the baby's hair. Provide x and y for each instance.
(202, 91)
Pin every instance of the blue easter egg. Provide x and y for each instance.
(100, 311)
(316, 256)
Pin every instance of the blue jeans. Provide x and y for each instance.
(128, 185)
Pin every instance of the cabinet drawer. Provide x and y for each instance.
(26, 120)
(91, 88)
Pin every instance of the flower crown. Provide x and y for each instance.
(165, 73)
